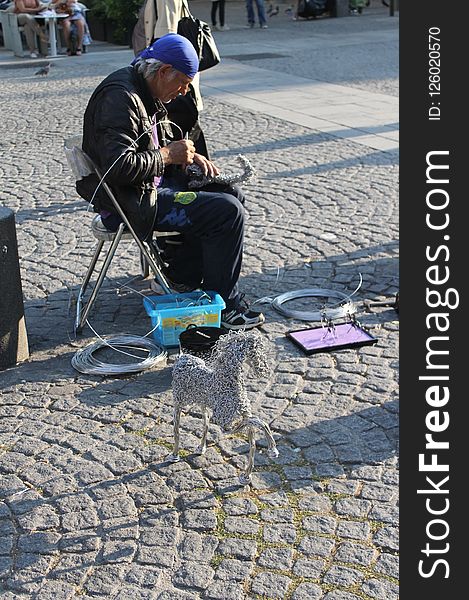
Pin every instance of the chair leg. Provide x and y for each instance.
(144, 266)
(84, 285)
(150, 254)
(147, 250)
(83, 308)
(91, 268)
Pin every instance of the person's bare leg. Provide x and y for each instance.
(28, 24)
(81, 32)
(66, 30)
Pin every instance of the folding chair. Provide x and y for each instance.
(81, 165)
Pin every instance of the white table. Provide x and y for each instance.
(51, 18)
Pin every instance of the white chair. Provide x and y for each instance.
(12, 33)
(81, 165)
(14, 38)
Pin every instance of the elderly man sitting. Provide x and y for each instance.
(125, 135)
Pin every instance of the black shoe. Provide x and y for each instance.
(179, 284)
(241, 317)
(177, 288)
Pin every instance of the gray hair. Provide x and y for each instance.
(148, 67)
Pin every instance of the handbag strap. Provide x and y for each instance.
(185, 6)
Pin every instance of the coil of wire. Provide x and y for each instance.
(340, 309)
(84, 360)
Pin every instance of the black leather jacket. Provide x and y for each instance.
(117, 129)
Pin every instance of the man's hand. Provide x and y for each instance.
(178, 153)
(208, 167)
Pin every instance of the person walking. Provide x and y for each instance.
(260, 13)
(219, 6)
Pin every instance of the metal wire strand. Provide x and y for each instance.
(345, 308)
(342, 308)
(84, 360)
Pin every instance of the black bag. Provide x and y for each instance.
(311, 8)
(200, 35)
(199, 341)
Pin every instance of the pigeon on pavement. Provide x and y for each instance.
(43, 70)
(274, 11)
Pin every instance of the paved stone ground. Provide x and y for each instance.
(90, 506)
(317, 48)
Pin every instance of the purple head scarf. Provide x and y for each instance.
(175, 50)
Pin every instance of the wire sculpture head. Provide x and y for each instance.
(239, 346)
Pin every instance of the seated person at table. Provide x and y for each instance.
(125, 135)
(75, 14)
(25, 10)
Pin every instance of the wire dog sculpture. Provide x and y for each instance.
(217, 386)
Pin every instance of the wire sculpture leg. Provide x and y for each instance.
(245, 477)
(174, 457)
(272, 451)
(202, 448)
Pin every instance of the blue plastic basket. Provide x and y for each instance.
(170, 314)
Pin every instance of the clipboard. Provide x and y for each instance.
(331, 337)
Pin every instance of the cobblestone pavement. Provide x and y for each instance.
(358, 52)
(90, 505)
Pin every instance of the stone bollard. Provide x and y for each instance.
(13, 337)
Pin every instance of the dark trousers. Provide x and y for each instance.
(209, 252)
(211, 249)
(218, 4)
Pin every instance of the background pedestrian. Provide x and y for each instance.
(260, 13)
(219, 6)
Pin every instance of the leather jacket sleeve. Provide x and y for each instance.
(117, 136)
(125, 148)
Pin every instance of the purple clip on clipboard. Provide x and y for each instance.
(326, 339)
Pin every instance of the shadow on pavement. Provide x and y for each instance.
(374, 157)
